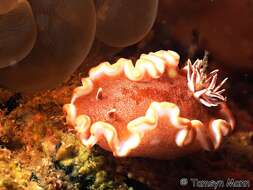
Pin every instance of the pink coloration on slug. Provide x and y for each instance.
(152, 109)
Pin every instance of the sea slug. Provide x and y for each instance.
(152, 109)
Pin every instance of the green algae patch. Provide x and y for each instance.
(90, 169)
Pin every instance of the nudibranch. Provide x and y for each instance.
(152, 109)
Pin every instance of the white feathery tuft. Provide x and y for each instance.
(204, 85)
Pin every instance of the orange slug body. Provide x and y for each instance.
(152, 109)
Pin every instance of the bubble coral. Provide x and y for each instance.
(152, 109)
(43, 42)
(121, 23)
(7, 5)
(17, 31)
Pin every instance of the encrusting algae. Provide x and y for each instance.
(87, 166)
(37, 152)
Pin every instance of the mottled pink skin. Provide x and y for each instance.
(132, 99)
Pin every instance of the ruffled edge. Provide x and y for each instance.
(153, 66)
